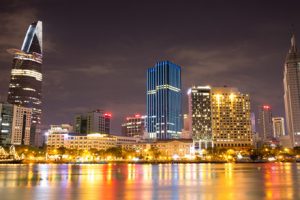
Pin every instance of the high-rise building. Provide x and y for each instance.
(21, 125)
(164, 115)
(15, 124)
(220, 116)
(200, 116)
(264, 122)
(278, 127)
(25, 88)
(231, 118)
(134, 126)
(292, 92)
(93, 122)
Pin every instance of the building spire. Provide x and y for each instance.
(293, 48)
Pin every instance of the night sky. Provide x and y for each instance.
(96, 54)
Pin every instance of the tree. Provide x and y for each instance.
(114, 151)
(155, 152)
(61, 150)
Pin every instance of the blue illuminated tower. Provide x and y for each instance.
(164, 115)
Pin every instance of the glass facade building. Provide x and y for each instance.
(164, 114)
(25, 88)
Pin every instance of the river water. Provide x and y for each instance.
(146, 181)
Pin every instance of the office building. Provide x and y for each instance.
(292, 92)
(200, 116)
(25, 88)
(134, 126)
(264, 122)
(164, 115)
(278, 127)
(96, 121)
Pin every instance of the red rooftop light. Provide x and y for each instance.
(266, 107)
(137, 116)
(107, 114)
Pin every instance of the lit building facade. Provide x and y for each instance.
(278, 127)
(96, 121)
(264, 122)
(164, 114)
(292, 92)
(200, 116)
(87, 141)
(134, 126)
(25, 88)
(231, 118)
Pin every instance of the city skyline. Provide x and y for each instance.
(149, 99)
(208, 57)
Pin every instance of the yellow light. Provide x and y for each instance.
(108, 158)
(218, 97)
(26, 72)
(231, 97)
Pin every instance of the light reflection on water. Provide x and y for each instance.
(163, 181)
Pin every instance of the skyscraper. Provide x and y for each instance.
(25, 88)
(164, 115)
(264, 122)
(200, 116)
(93, 122)
(134, 126)
(292, 92)
(278, 127)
